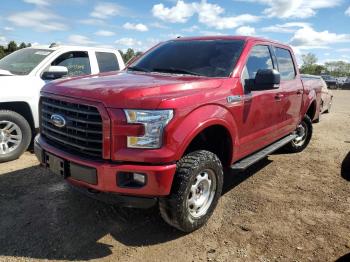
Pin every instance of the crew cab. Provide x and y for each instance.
(163, 130)
(22, 75)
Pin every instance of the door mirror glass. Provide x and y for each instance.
(266, 79)
(55, 72)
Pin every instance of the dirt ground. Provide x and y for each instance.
(288, 207)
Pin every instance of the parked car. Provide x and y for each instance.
(24, 72)
(162, 130)
(321, 86)
(330, 81)
(346, 84)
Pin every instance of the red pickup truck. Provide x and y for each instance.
(163, 130)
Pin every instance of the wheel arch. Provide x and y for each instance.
(22, 108)
(196, 126)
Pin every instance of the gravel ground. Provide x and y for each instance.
(288, 207)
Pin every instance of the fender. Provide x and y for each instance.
(308, 99)
(196, 121)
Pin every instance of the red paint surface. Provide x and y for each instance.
(198, 102)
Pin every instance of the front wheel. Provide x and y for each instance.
(15, 135)
(195, 192)
(304, 134)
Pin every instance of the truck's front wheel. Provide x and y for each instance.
(15, 135)
(195, 192)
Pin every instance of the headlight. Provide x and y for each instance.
(154, 122)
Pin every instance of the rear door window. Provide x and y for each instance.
(107, 61)
(285, 63)
(77, 63)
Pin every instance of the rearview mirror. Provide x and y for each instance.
(55, 72)
(266, 79)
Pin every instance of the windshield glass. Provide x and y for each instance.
(211, 58)
(23, 61)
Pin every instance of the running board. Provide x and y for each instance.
(248, 161)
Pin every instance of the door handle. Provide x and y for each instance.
(299, 92)
(279, 97)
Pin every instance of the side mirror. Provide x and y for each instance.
(266, 79)
(55, 72)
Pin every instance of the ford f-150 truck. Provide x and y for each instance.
(23, 74)
(163, 130)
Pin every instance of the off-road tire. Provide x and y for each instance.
(22, 123)
(173, 208)
(292, 147)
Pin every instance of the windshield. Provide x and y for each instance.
(23, 61)
(211, 58)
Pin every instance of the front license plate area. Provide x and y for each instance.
(56, 165)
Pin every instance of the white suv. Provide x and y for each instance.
(22, 75)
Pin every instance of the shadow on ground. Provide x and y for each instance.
(42, 217)
(345, 168)
(345, 258)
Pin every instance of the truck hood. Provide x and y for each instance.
(131, 89)
(5, 73)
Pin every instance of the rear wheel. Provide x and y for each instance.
(195, 193)
(15, 135)
(304, 134)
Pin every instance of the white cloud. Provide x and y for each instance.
(208, 14)
(308, 38)
(3, 40)
(43, 21)
(190, 29)
(37, 2)
(159, 25)
(80, 40)
(104, 33)
(136, 27)
(296, 8)
(128, 42)
(179, 13)
(210, 33)
(104, 10)
(246, 30)
(92, 21)
(7, 28)
(347, 12)
(284, 28)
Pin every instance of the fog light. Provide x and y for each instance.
(131, 180)
(140, 178)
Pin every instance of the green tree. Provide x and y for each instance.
(309, 65)
(309, 59)
(129, 54)
(2, 52)
(22, 45)
(11, 47)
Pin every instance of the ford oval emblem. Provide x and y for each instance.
(58, 120)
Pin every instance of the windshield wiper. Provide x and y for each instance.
(137, 68)
(175, 71)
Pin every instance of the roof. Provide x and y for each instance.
(228, 37)
(68, 47)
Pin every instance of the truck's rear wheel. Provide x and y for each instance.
(304, 134)
(195, 193)
(15, 135)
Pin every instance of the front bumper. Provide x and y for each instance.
(101, 176)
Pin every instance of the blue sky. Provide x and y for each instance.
(318, 26)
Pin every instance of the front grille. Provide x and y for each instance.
(82, 133)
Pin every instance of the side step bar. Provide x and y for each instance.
(248, 161)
